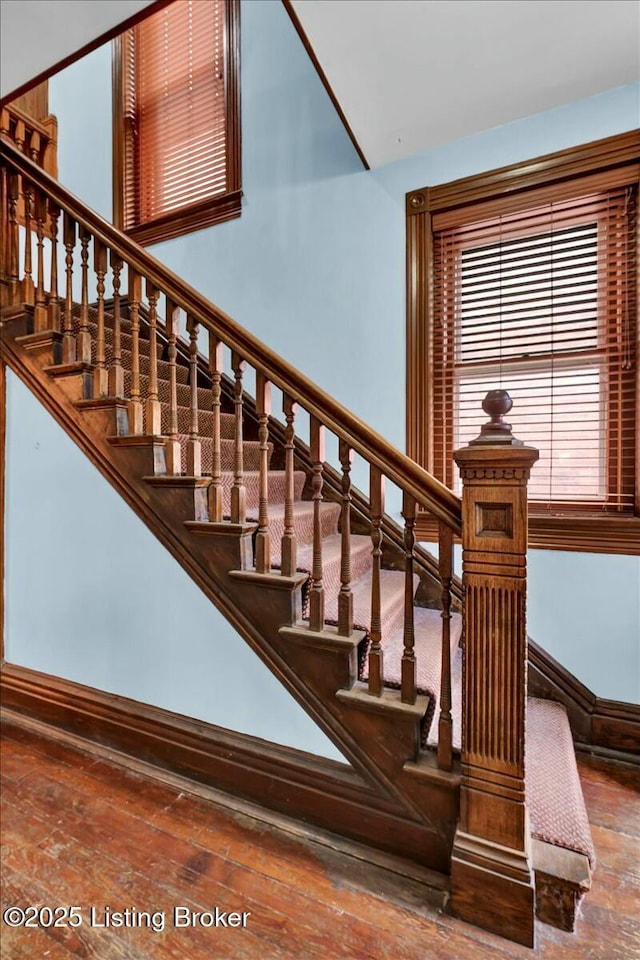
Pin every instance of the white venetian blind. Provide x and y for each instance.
(540, 299)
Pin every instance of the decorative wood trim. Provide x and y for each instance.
(593, 157)
(205, 213)
(323, 792)
(596, 723)
(578, 534)
(605, 533)
(232, 98)
(306, 43)
(84, 50)
(196, 217)
(117, 132)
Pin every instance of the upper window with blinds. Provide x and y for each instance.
(176, 120)
(524, 279)
(541, 302)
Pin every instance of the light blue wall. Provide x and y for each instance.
(315, 267)
(84, 148)
(93, 597)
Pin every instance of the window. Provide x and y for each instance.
(534, 290)
(176, 121)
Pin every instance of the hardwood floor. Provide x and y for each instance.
(79, 829)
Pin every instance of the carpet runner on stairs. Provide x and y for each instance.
(554, 795)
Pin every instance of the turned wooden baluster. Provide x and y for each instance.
(32, 149)
(172, 449)
(408, 663)
(83, 340)
(345, 597)
(116, 373)
(238, 491)
(4, 232)
(153, 408)
(40, 317)
(20, 137)
(376, 498)
(4, 216)
(194, 447)
(100, 376)
(445, 724)
(263, 537)
(54, 298)
(216, 507)
(28, 286)
(316, 588)
(35, 147)
(13, 245)
(25, 192)
(289, 551)
(135, 409)
(68, 338)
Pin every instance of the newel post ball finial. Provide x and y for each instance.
(496, 405)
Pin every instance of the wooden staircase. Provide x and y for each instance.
(358, 622)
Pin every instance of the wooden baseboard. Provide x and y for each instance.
(318, 791)
(596, 723)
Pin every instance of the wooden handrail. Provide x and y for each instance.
(400, 469)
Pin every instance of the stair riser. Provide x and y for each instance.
(303, 526)
(252, 486)
(227, 420)
(360, 562)
(251, 454)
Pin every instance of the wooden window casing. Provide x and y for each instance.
(176, 132)
(526, 278)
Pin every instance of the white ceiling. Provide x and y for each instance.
(409, 74)
(37, 34)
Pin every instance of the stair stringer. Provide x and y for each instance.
(127, 463)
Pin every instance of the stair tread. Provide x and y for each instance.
(554, 793)
(428, 642)
(391, 601)
(360, 562)
(303, 523)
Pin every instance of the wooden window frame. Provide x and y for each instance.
(557, 530)
(206, 213)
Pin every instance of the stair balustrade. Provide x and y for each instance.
(491, 520)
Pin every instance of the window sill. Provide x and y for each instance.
(196, 217)
(572, 532)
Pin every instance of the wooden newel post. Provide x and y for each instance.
(492, 878)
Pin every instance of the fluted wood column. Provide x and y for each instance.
(491, 873)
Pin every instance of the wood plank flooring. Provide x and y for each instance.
(81, 829)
